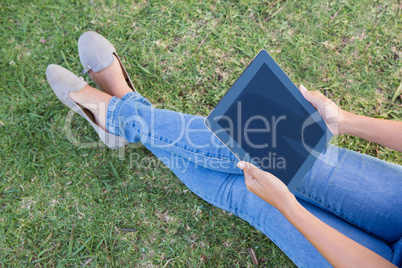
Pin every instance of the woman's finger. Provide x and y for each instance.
(252, 176)
(250, 168)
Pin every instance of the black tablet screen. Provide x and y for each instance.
(267, 122)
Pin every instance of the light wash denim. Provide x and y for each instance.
(359, 195)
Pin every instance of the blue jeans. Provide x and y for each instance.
(356, 194)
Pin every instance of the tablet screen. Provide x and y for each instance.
(264, 119)
(267, 122)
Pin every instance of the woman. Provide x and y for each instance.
(346, 212)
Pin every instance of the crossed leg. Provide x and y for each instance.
(347, 190)
(180, 140)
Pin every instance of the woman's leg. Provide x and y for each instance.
(162, 132)
(134, 118)
(363, 190)
(228, 191)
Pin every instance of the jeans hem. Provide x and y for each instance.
(114, 106)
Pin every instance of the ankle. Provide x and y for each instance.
(123, 90)
(111, 79)
(94, 101)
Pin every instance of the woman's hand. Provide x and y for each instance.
(338, 249)
(385, 132)
(329, 111)
(266, 186)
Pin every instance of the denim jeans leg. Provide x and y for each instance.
(363, 190)
(170, 134)
(136, 120)
(229, 192)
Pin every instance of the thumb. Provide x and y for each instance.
(252, 176)
(313, 97)
(249, 168)
(306, 93)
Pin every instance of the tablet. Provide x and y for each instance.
(265, 120)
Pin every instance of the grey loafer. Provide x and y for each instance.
(96, 53)
(63, 82)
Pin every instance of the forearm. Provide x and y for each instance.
(385, 132)
(337, 248)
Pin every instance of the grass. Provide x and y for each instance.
(62, 205)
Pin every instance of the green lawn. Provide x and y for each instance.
(62, 205)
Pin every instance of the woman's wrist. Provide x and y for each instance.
(288, 204)
(346, 120)
(350, 123)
